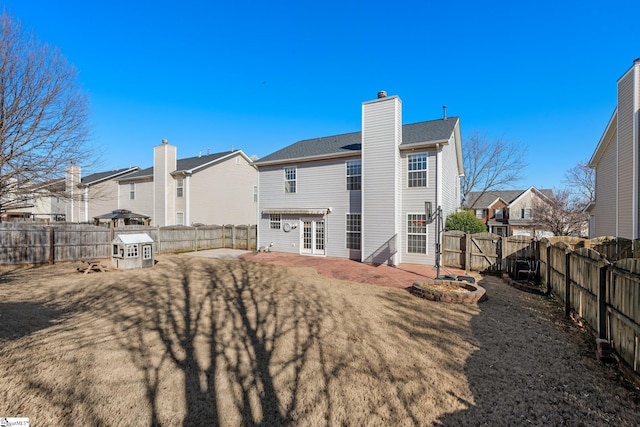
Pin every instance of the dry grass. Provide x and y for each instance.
(206, 342)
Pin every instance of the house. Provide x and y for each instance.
(217, 188)
(363, 195)
(509, 212)
(614, 212)
(92, 195)
(44, 202)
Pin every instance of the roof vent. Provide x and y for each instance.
(382, 94)
(444, 112)
(165, 141)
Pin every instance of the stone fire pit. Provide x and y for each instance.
(460, 292)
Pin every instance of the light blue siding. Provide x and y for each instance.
(320, 185)
(380, 175)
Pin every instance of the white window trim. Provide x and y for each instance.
(273, 221)
(180, 213)
(425, 170)
(426, 234)
(347, 176)
(347, 232)
(180, 186)
(287, 180)
(132, 191)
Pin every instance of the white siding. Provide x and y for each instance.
(604, 211)
(413, 200)
(164, 162)
(380, 174)
(626, 158)
(220, 194)
(143, 202)
(102, 199)
(320, 185)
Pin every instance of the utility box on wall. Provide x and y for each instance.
(132, 251)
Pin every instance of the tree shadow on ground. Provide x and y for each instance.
(241, 333)
(22, 318)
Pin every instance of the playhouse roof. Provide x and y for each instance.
(133, 238)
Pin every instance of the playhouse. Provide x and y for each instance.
(132, 251)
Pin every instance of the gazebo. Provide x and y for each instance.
(121, 217)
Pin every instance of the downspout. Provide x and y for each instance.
(438, 216)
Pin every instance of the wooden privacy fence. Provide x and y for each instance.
(606, 294)
(485, 251)
(491, 252)
(22, 243)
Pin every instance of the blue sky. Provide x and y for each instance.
(258, 76)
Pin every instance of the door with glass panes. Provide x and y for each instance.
(312, 236)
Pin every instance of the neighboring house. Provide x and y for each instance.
(615, 210)
(362, 195)
(92, 195)
(215, 188)
(509, 212)
(43, 202)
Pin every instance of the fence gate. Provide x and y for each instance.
(454, 248)
(485, 252)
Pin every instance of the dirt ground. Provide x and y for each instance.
(196, 341)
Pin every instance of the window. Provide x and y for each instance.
(416, 233)
(353, 231)
(526, 213)
(179, 218)
(132, 191)
(290, 180)
(479, 213)
(180, 187)
(354, 175)
(255, 193)
(275, 221)
(132, 251)
(417, 167)
(498, 213)
(146, 252)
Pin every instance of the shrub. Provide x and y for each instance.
(464, 221)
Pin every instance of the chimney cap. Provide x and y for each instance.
(382, 94)
(165, 141)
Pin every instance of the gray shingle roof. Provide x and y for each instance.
(193, 162)
(139, 174)
(99, 176)
(482, 201)
(189, 163)
(422, 132)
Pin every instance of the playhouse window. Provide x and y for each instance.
(132, 251)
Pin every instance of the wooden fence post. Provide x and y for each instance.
(467, 252)
(567, 284)
(52, 246)
(602, 303)
(233, 236)
(548, 291)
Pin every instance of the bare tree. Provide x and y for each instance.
(490, 165)
(561, 213)
(43, 114)
(581, 182)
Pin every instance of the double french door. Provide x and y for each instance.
(312, 236)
